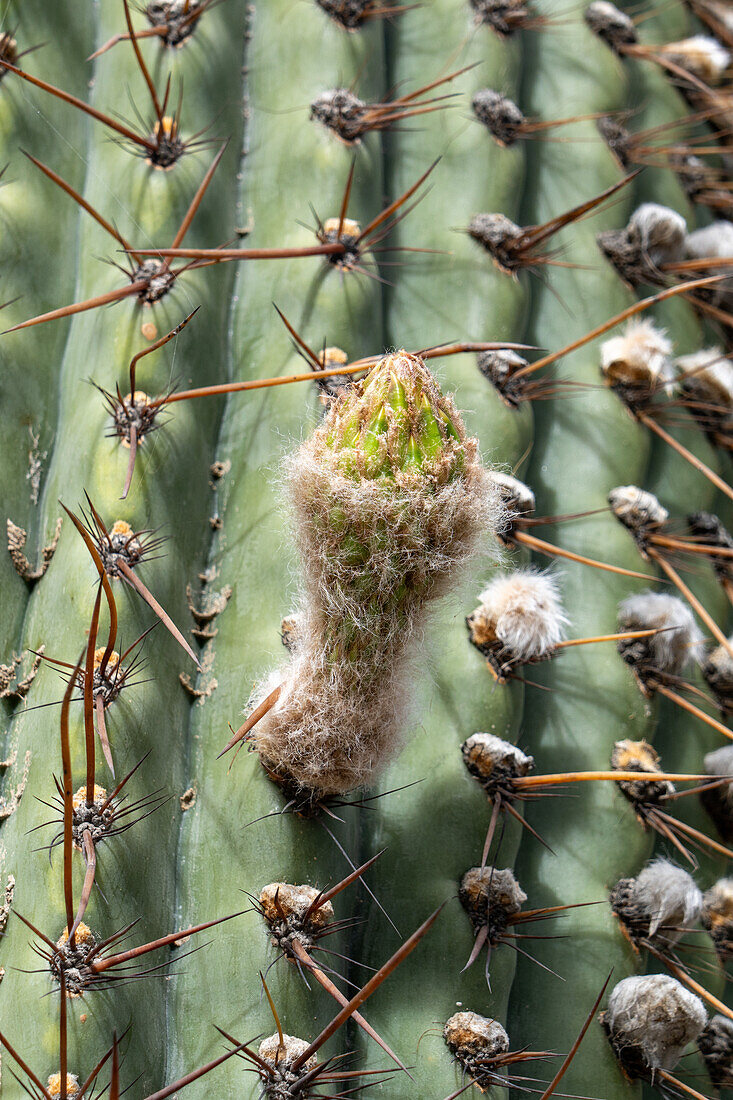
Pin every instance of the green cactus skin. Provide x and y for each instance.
(136, 871)
(35, 242)
(255, 551)
(593, 702)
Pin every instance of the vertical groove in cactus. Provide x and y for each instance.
(365, 765)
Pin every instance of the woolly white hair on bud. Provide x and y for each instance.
(661, 232)
(680, 640)
(669, 895)
(639, 357)
(708, 376)
(654, 1016)
(522, 610)
(702, 55)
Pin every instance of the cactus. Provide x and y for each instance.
(340, 844)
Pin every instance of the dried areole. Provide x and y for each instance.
(715, 1043)
(658, 906)
(505, 121)
(649, 1022)
(352, 14)
(645, 519)
(519, 506)
(171, 21)
(493, 900)
(654, 236)
(520, 620)
(717, 917)
(706, 381)
(350, 118)
(480, 1046)
(513, 247)
(649, 795)
(505, 17)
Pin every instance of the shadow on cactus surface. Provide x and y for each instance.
(371, 702)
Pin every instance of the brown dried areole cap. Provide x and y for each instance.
(292, 913)
(716, 1046)
(639, 756)
(491, 897)
(494, 763)
(717, 917)
(475, 1042)
(718, 801)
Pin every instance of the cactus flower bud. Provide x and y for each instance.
(390, 500)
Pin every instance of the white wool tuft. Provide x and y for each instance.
(636, 507)
(720, 761)
(491, 752)
(641, 354)
(680, 641)
(714, 240)
(702, 55)
(524, 610)
(709, 374)
(660, 231)
(517, 497)
(656, 1014)
(669, 895)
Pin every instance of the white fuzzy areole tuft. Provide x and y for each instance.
(487, 753)
(635, 507)
(518, 498)
(720, 761)
(708, 374)
(524, 611)
(657, 1015)
(669, 895)
(660, 231)
(713, 241)
(702, 55)
(640, 356)
(680, 640)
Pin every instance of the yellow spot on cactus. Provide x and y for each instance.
(83, 935)
(100, 795)
(54, 1084)
(333, 357)
(112, 663)
(148, 331)
(349, 228)
(121, 527)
